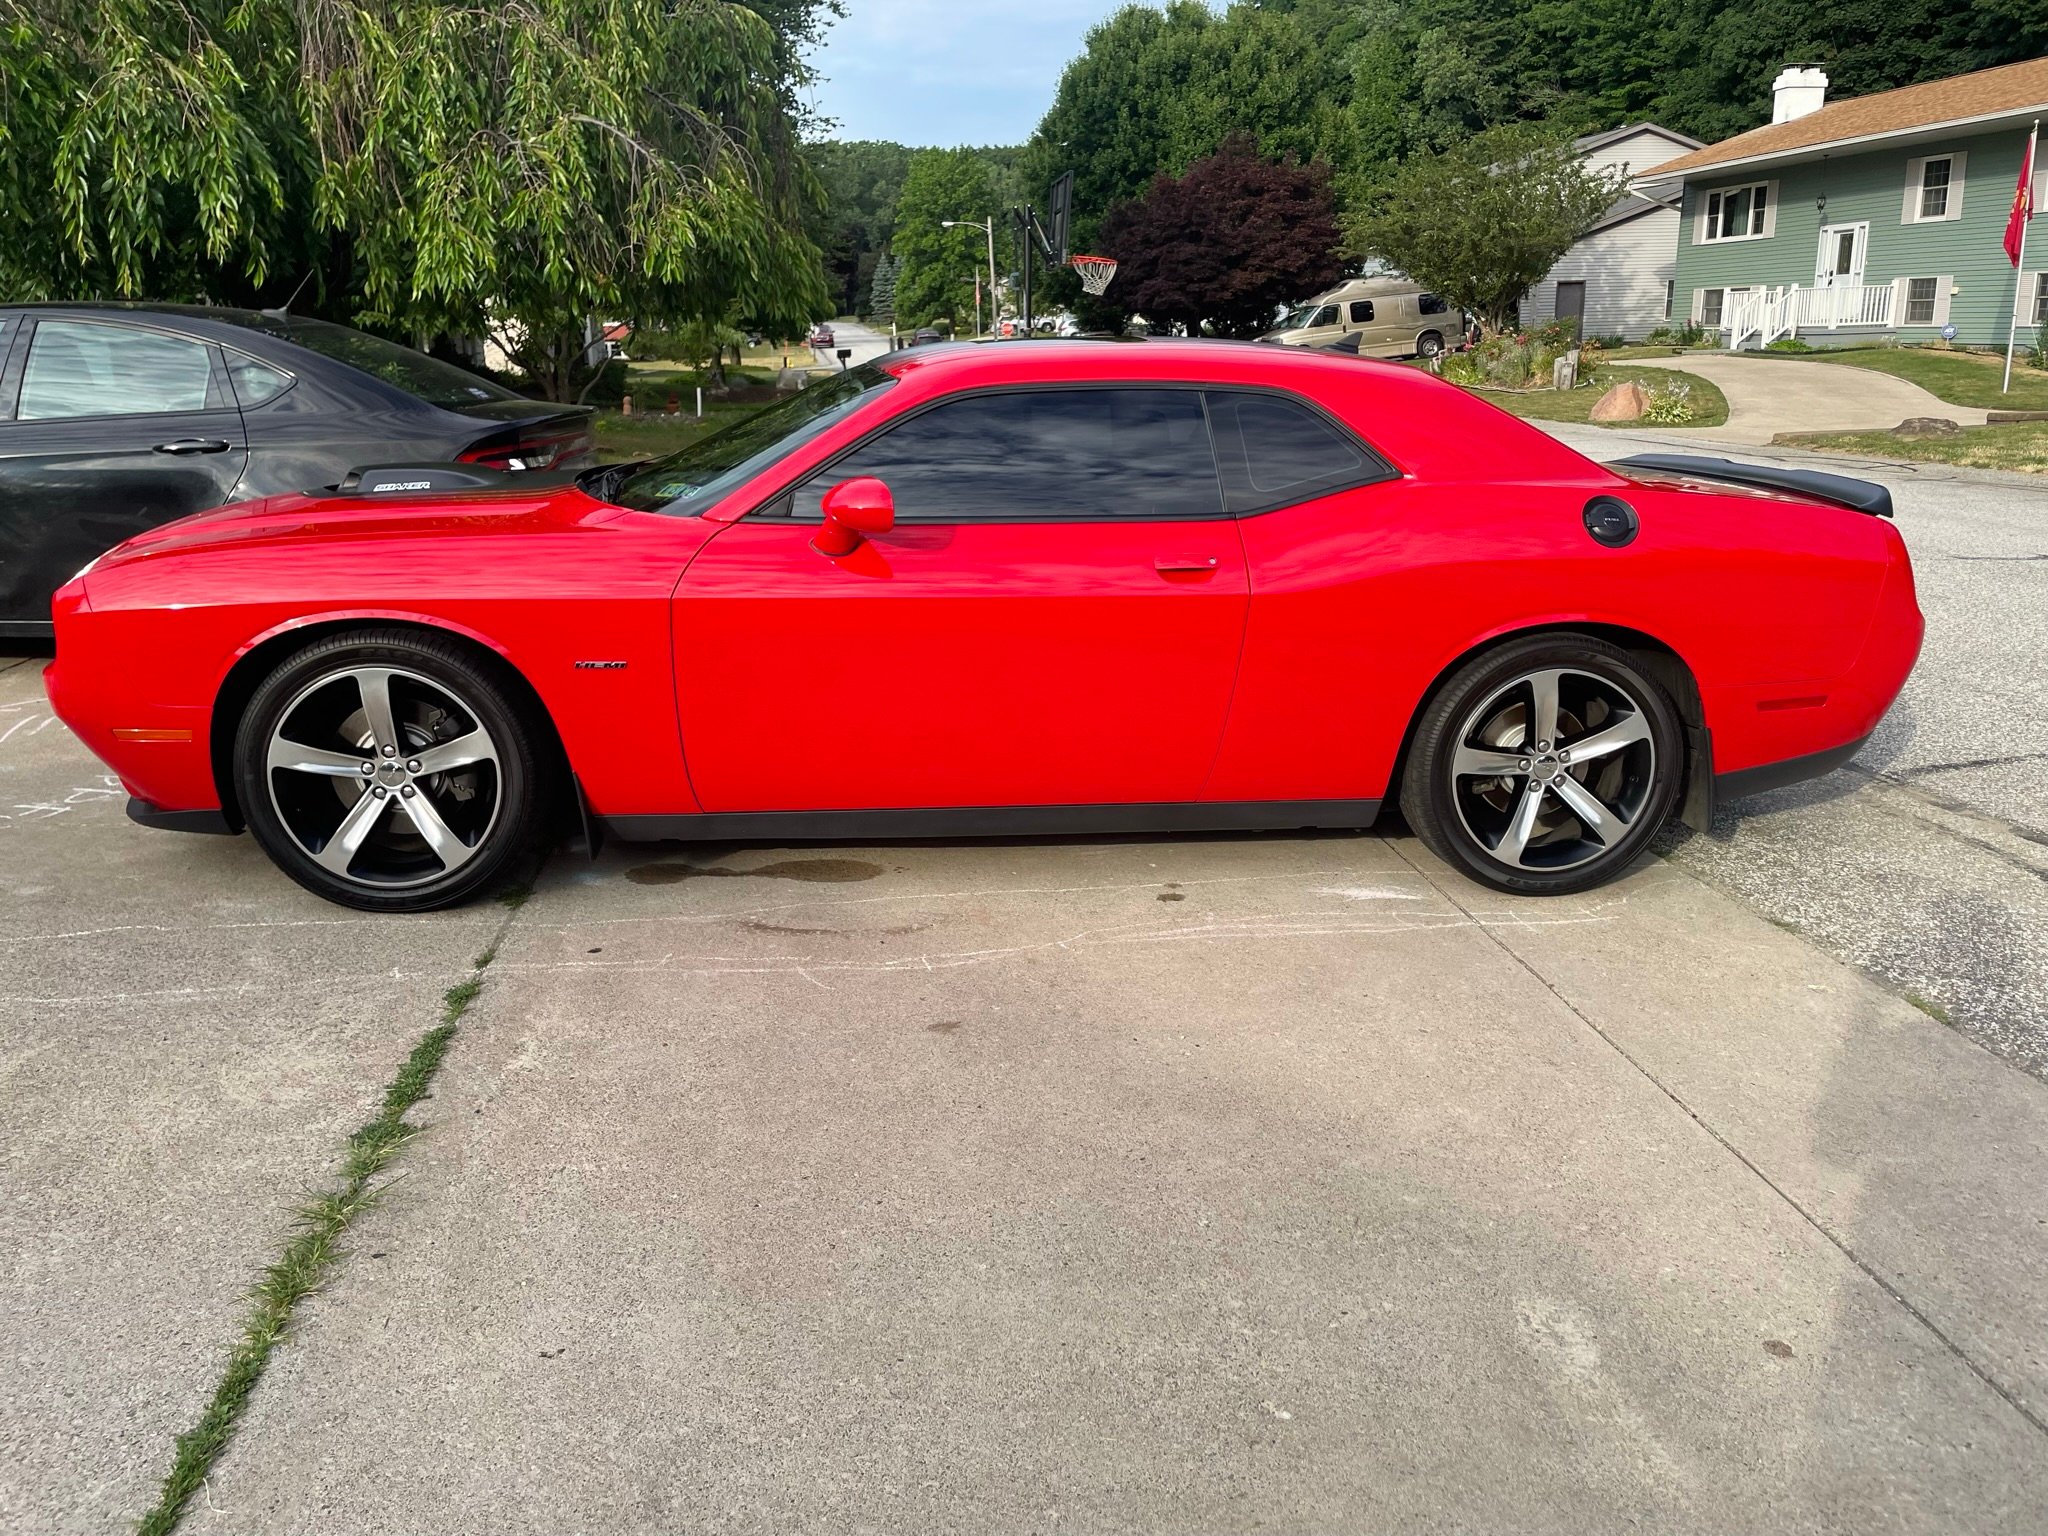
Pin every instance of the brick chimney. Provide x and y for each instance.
(1797, 92)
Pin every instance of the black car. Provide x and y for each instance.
(117, 417)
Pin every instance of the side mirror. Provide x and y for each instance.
(854, 510)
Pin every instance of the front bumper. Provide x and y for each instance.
(147, 813)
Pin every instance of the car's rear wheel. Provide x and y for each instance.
(1544, 766)
(1429, 344)
(391, 771)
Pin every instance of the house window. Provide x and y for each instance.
(1710, 308)
(1934, 189)
(2040, 298)
(1670, 292)
(1737, 213)
(1920, 300)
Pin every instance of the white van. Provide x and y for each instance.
(1391, 316)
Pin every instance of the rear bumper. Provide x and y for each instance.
(1793, 770)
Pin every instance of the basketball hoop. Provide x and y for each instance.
(1094, 272)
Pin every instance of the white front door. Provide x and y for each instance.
(1840, 262)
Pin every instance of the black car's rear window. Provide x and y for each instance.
(428, 378)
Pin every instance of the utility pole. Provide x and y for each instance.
(988, 227)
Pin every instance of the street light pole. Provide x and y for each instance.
(988, 227)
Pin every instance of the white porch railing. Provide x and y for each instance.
(1765, 314)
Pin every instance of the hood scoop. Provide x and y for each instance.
(418, 479)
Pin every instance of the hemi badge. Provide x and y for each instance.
(149, 733)
(600, 666)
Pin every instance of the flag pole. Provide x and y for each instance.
(2019, 276)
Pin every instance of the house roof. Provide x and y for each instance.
(1986, 93)
(1592, 141)
(1630, 205)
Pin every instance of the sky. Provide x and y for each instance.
(948, 71)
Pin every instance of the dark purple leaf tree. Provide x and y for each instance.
(1227, 243)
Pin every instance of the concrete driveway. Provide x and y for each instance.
(1925, 861)
(1767, 396)
(1104, 1185)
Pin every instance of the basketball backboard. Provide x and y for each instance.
(1059, 210)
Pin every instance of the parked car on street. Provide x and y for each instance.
(820, 337)
(115, 418)
(1050, 587)
(925, 336)
(1390, 316)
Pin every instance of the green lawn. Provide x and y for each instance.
(1709, 405)
(2021, 446)
(648, 437)
(1960, 378)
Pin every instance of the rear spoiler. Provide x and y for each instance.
(1840, 490)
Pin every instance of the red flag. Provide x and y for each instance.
(2022, 207)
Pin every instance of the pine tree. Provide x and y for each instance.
(882, 292)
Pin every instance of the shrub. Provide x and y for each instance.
(1669, 405)
(1686, 335)
(1788, 344)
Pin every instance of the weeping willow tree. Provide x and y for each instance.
(420, 165)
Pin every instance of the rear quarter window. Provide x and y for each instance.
(1274, 451)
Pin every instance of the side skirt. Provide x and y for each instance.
(994, 821)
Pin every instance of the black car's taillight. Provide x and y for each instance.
(541, 450)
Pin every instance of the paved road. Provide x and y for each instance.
(1767, 396)
(863, 341)
(1926, 860)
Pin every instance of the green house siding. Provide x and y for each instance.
(1871, 186)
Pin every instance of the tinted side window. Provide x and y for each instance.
(80, 368)
(1430, 304)
(1085, 455)
(256, 382)
(1273, 451)
(1361, 311)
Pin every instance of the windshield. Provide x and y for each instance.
(685, 483)
(427, 378)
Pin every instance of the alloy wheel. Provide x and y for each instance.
(384, 777)
(1552, 770)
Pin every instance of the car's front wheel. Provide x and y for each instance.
(1545, 766)
(391, 771)
(1429, 345)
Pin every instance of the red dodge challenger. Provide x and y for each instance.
(974, 590)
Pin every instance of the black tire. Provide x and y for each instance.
(1525, 829)
(407, 836)
(1429, 344)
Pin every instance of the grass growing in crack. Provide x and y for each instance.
(1933, 1010)
(309, 1258)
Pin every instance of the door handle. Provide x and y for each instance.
(1176, 565)
(186, 445)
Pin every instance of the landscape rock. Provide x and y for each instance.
(1625, 402)
(1925, 426)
